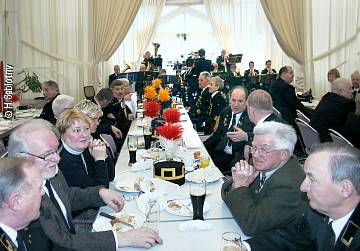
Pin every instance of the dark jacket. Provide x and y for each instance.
(352, 129)
(331, 112)
(47, 112)
(217, 104)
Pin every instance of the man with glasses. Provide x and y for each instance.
(54, 229)
(266, 197)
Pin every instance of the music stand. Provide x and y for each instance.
(267, 79)
(235, 58)
(222, 75)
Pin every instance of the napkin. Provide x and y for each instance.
(158, 185)
(142, 165)
(194, 225)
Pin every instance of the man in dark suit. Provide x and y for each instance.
(266, 197)
(201, 64)
(115, 75)
(355, 80)
(268, 69)
(198, 111)
(251, 72)
(20, 189)
(333, 109)
(332, 185)
(234, 117)
(284, 97)
(223, 62)
(51, 91)
(37, 141)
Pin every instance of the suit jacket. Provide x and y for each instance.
(220, 62)
(201, 65)
(47, 112)
(199, 109)
(54, 227)
(266, 71)
(285, 100)
(6, 244)
(352, 129)
(318, 224)
(113, 77)
(275, 206)
(331, 112)
(218, 139)
(217, 104)
(247, 72)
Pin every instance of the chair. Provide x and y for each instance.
(109, 141)
(302, 116)
(89, 92)
(338, 138)
(276, 111)
(309, 135)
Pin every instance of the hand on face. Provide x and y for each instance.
(97, 149)
(243, 174)
(112, 199)
(141, 237)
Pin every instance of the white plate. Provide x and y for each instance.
(158, 186)
(210, 174)
(185, 207)
(141, 165)
(104, 224)
(24, 115)
(127, 186)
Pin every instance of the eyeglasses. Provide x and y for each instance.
(261, 151)
(46, 156)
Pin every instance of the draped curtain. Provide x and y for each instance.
(139, 36)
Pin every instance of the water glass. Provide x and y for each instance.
(231, 241)
(152, 215)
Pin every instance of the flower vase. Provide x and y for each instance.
(170, 147)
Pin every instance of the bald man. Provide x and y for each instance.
(333, 109)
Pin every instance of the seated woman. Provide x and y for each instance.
(217, 104)
(94, 112)
(83, 159)
(352, 128)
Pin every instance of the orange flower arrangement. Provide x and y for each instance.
(157, 83)
(170, 131)
(164, 95)
(150, 92)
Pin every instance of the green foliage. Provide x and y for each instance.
(29, 83)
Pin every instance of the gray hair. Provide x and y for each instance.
(340, 84)
(51, 84)
(344, 162)
(89, 108)
(105, 94)
(239, 87)
(206, 74)
(62, 103)
(261, 101)
(12, 177)
(283, 136)
(218, 81)
(19, 140)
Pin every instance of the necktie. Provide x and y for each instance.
(329, 240)
(231, 127)
(68, 223)
(21, 244)
(262, 179)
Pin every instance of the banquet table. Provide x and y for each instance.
(218, 215)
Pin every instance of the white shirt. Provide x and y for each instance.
(339, 224)
(228, 149)
(132, 104)
(12, 233)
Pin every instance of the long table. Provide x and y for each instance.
(218, 216)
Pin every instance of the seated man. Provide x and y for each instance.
(333, 109)
(21, 191)
(355, 80)
(251, 71)
(234, 117)
(268, 69)
(115, 75)
(332, 185)
(266, 197)
(51, 91)
(36, 140)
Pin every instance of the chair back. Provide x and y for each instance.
(302, 116)
(309, 135)
(276, 111)
(338, 138)
(89, 92)
(109, 141)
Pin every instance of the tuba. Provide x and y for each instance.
(126, 67)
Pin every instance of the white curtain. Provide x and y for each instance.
(139, 36)
(336, 40)
(242, 27)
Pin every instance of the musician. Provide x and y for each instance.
(147, 58)
(115, 75)
(217, 104)
(223, 61)
(214, 67)
(201, 64)
(268, 69)
(251, 71)
(234, 72)
(142, 68)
